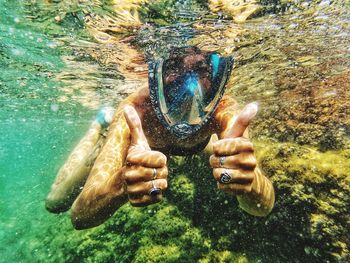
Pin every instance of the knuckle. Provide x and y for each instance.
(217, 173)
(216, 146)
(163, 184)
(250, 178)
(250, 144)
(234, 145)
(220, 146)
(130, 159)
(162, 159)
(247, 189)
(128, 179)
(251, 161)
(156, 158)
(164, 172)
(212, 160)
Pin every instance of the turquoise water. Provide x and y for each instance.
(52, 82)
(35, 129)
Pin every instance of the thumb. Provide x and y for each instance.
(138, 138)
(242, 121)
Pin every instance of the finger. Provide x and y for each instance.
(238, 176)
(232, 146)
(135, 174)
(144, 187)
(238, 161)
(145, 200)
(236, 189)
(242, 121)
(151, 159)
(138, 138)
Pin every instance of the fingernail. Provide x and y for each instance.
(252, 108)
(255, 105)
(128, 109)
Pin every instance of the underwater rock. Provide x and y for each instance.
(318, 114)
(239, 10)
(315, 188)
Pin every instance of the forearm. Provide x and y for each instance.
(261, 199)
(104, 191)
(74, 172)
(98, 202)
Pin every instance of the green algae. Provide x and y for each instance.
(316, 185)
(197, 222)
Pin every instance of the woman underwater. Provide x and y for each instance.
(123, 157)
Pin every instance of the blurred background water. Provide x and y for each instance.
(36, 129)
(61, 61)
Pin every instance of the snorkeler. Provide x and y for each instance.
(124, 157)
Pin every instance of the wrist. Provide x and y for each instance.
(260, 200)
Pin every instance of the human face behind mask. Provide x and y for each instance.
(186, 88)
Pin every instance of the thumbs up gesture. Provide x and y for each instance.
(233, 161)
(146, 171)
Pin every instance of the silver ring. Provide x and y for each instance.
(154, 190)
(225, 177)
(222, 161)
(154, 173)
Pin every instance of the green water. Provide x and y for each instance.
(36, 130)
(51, 88)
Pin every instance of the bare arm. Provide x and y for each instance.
(254, 191)
(104, 190)
(126, 169)
(75, 170)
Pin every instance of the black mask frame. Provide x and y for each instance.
(184, 130)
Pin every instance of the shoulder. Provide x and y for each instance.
(140, 100)
(227, 102)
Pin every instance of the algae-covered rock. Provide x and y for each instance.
(197, 222)
(317, 115)
(313, 189)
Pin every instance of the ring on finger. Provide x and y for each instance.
(154, 176)
(222, 161)
(225, 177)
(154, 191)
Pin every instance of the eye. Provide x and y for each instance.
(170, 77)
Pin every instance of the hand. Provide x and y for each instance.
(146, 171)
(233, 160)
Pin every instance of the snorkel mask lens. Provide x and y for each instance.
(186, 88)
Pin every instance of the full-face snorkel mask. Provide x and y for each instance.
(186, 87)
